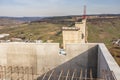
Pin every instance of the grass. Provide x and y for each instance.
(99, 30)
(104, 31)
(36, 31)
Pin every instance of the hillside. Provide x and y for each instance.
(7, 22)
(105, 31)
(35, 31)
(15, 21)
(100, 30)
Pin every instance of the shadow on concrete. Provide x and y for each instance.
(86, 61)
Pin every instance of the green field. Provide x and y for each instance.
(104, 31)
(99, 31)
(35, 31)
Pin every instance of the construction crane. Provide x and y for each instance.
(84, 15)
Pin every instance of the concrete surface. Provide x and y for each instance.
(44, 57)
(36, 55)
(107, 62)
(75, 34)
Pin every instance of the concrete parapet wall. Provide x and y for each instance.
(44, 57)
(47, 57)
(107, 62)
(36, 55)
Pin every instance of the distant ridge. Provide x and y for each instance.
(25, 19)
(31, 19)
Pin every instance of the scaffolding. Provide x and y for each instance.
(27, 73)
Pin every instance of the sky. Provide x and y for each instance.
(35, 8)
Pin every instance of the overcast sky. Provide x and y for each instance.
(57, 7)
